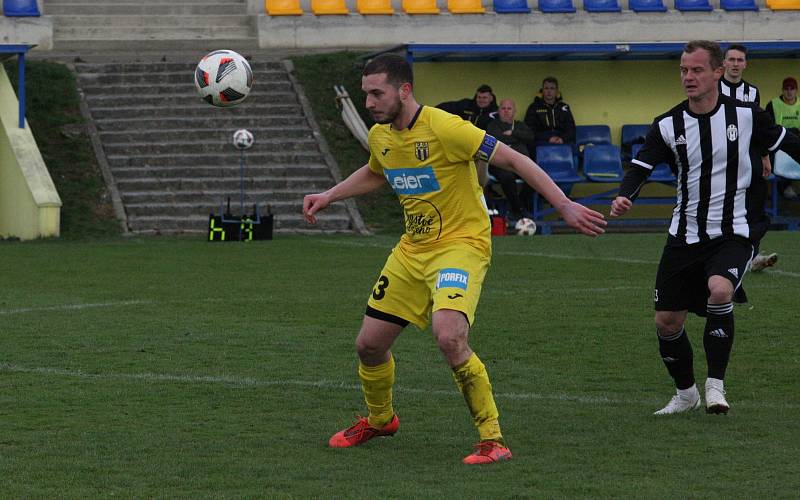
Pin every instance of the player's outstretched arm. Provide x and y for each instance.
(359, 182)
(620, 206)
(583, 219)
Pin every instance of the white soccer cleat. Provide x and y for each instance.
(685, 400)
(763, 261)
(715, 397)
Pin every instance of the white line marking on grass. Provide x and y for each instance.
(782, 273)
(74, 307)
(578, 257)
(330, 384)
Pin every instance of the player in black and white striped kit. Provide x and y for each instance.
(732, 84)
(714, 145)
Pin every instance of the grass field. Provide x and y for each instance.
(177, 368)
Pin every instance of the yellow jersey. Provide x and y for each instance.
(431, 167)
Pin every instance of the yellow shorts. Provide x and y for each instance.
(412, 285)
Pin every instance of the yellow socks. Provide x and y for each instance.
(377, 382)
(473, 382)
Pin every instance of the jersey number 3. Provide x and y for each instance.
(379, 291)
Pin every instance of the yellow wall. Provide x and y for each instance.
(29, 204)
(599, 92)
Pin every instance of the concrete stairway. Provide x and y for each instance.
(171, 154)
(151, 24)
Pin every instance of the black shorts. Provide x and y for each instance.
(682, 279)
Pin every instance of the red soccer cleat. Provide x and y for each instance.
(361, 432)
(487, 452)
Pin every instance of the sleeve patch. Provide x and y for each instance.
(486, 149)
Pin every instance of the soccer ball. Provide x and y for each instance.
(223, 78)
(525, 227)
(243, 139)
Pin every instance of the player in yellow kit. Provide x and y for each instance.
(436, 271)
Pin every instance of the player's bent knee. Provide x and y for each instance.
(669, 323)
(720, 290)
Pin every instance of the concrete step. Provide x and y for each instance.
(213, 197)
(183, 99)
(159, 33)
(152, 21)
(218, 120)
(128, 8)
(78, 49)
(275, 176)
(201, 110)
(165, 78)
(95, 89)
(214, 206)
(258, 66)
(227, 184)
(199, 223)
(185, 160)
(301, 144)
(201, 134)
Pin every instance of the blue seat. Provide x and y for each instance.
(556, 6)
(557, 161)
(634, 134)
(592, 134)
(661, 172)
(738, 4)
(20, 8)
(647, 6)
(511, 6)
(602, 163)
(631, 136)
(601, 6)
(693, 5)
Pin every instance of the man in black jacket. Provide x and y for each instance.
(550, 117)
(479, 110)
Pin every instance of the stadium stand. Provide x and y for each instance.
(374, 7)
(511, 7)
(602, 163)
(647, 6)
(783, 4)
(734, 5)
(283, 7)
(420, 7)
(465, 7)
(556, 6)
(329, 7)
(20, 8)
(693, 5)
(601, 6)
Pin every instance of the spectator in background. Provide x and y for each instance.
(550, 117)
(479, 110)
(785, 110)
(517, 135)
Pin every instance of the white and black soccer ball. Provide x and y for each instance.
(223, 78)
(243, 139)
(525, 227)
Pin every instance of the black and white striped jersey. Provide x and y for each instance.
(716, 158)
(742, 91)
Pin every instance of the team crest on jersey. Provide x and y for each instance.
(422, 151)
(733, 132)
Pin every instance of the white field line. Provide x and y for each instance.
(75, 307)
(330, 384)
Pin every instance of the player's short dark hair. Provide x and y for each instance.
(713, 49)
(484, 89)
(396, 68)
(550, 79)
(736, 46)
